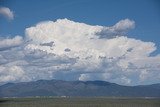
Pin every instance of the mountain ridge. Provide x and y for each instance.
(77, 88)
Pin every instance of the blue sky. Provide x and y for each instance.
(27, 13)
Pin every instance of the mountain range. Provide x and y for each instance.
(77, 88)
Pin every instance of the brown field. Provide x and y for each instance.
(79, 102)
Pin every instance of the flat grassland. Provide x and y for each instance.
(79, 102)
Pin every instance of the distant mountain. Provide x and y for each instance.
(77, 88)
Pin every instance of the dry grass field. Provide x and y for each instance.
(79, 102)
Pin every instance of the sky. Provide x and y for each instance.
(110, 40)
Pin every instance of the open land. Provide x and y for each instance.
(79, 102)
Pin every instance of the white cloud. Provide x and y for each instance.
(143, 75)
(94, 53)
(14, 74)
(124, 25)
(10, 42)
(5, 11)
(119, 29)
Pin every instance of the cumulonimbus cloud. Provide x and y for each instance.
(5, 11)
(70, 50)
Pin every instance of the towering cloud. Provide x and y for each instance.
(70, 50)
(7, 13)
